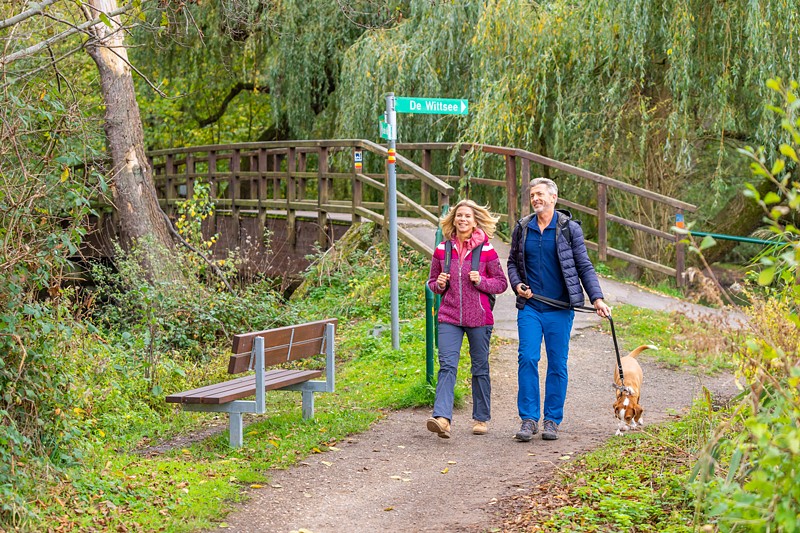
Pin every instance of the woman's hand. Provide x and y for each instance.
(474, 276)
(442, 280)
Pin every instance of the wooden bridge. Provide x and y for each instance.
(317, 184)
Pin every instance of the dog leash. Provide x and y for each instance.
(584, 309)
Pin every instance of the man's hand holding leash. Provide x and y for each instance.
(601, 308)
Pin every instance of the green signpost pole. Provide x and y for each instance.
(432, 302)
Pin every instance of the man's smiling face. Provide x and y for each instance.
(542, 200)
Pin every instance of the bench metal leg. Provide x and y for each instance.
(308, 404)
(235, 429)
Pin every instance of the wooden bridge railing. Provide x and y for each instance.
(254, 179)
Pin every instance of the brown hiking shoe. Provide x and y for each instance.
(440, 426)
(480, 428)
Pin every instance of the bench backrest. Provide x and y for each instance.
(281, 345)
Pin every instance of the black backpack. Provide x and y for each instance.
(476, 261)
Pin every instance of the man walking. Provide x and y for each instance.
(548, 259)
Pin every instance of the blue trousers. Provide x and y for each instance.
(450, 339)
(554, 327)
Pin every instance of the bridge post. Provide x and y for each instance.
(322, 199)
(525, 193)
(262, 191)
(234, 186)
(425, 190)
(169, 193)
(511, 188)
(463, 184)
(358, 192)
(680, 255)
(212, 186)
(602, 226)
(301, 182)
(291, 192)
(191, 167)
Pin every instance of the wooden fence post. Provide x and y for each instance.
(262, 191)
(322, 200)
(212, 187)
(425, 191)
(169, 182)
(191, 168)
(234, 186)
(525, 193)
(358, 188)
(680, 255)
(511, 189)
(291, 193)
(301, 182)
(602, 224)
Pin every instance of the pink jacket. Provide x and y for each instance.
(465, 303)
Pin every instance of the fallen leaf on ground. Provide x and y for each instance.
(446, 470)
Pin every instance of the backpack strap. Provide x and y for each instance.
(476, 256)
(448, 253)
(563, 222)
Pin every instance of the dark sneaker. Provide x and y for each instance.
(527, 431)
(550, 430)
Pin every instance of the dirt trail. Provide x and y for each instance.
(399, 477)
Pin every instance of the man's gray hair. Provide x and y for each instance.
(550, 184)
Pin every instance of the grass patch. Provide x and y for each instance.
(195, 486)
(705, 347)
(637, 482)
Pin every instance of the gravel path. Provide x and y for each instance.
(400, 477)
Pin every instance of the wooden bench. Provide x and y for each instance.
(255, 351)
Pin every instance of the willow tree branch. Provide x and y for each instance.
(235, 90)
(10, 58)
(35, 10)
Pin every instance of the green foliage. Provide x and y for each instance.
(682, 342)
(751, 476)
(634, 483)
(44, 205)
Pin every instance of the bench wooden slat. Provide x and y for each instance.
(239, 388)
(305, 339)
(277, 354)
(196, 395)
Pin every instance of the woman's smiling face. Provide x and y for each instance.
(465, 220)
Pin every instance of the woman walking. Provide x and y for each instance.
(465, 309)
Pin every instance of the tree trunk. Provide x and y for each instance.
(134, 193)
(741, 216)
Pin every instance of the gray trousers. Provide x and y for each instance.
(450, 339)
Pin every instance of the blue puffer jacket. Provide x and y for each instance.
(574, 260)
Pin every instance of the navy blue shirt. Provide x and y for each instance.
(541, 265)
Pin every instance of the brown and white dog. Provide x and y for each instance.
(626, 406)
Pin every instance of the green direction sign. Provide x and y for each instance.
(386, 131)
(431, 106)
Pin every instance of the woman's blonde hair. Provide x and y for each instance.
(484, 219)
